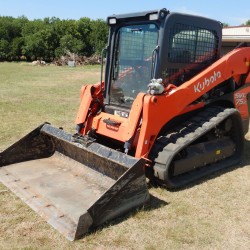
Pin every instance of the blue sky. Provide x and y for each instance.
(228, 11)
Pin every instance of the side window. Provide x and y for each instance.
(200, 44)
(190, 50)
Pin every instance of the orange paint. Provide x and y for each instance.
(150, 113)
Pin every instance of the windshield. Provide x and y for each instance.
(133, 61)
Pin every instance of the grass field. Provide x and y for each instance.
(212, 214)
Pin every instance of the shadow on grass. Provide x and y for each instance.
(155, 203)
(152, 204)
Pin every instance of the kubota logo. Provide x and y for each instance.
(207, 81)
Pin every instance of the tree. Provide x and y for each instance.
(16, 48)
(247, 22)
(84, 29)
(7, 29)
(99, 35)
(50, 37)
(32, 27)
(11, 37)
(69, 43)
(4, 49)
(35, 46)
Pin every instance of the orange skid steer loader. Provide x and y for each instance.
(169, 108)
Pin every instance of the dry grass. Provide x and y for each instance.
(213, 214)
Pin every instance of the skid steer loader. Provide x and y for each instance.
(169, 108)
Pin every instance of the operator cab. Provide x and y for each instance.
(152, 45)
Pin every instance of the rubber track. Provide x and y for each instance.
(166, 147)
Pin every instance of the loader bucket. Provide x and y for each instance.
(73, 187)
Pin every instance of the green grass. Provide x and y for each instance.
(213, 214)
(31, 95)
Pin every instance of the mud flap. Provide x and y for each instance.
(73, 187)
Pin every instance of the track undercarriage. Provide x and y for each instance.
(210, 141)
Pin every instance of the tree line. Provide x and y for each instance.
(50, 38)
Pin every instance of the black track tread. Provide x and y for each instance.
(166, 147)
